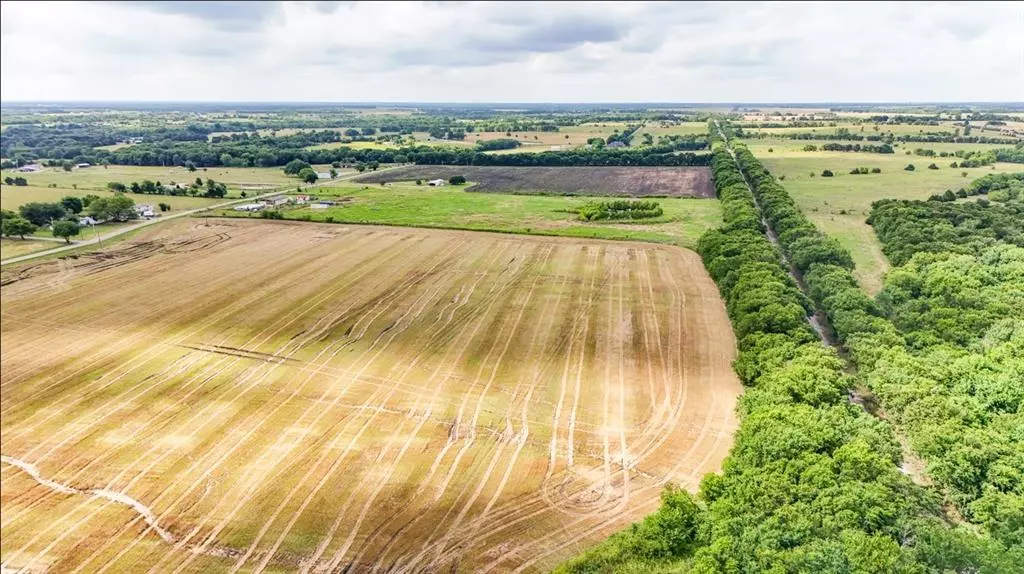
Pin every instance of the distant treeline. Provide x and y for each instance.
(272, 152)
(869, 148)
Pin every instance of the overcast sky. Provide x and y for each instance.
(512, 52)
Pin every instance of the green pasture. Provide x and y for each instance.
(684, 220)
(839, 205)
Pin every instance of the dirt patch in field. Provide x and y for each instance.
(269, 395)
(614, 181)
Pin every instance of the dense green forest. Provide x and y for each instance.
(943, 346)
(812, 483)
(967, 227)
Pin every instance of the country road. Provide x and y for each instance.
(141, 224)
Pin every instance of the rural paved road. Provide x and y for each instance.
(154, 221)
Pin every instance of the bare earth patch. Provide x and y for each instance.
(617, 181)
(288, 396)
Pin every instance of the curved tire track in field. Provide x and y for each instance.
(624, 445)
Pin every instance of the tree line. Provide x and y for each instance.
(272, 154)
(867, 148)
(912, 347)
(620, 209)
(811, 483)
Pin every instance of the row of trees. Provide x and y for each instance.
(279, 152)
(497, 144)
(918, 347)
(812, 483)
(868, 148)
(846, 135)
(620, 209)
(197, 188)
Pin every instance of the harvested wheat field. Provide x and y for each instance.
(275, 396)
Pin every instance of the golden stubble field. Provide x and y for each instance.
(275, 396)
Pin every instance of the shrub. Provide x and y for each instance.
(457, 179)
(910, 167)
(826, 173)
(932, 166)
(619, 209)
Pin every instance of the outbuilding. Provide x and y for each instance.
(436, 182)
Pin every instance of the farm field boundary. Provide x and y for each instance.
(284, 395)
(613, 181)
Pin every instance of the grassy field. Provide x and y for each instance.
(685, 219)
(839, 205)
(15, 247)
(605, 180)
(97, 177)
(267, 395)
(683, 129)
(11, 197)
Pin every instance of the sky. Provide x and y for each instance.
(512, 52)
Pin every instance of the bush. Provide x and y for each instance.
(271, 214)
(876, 170)
(910, 167)
(457, 179)
(932, 166)
(619, 209)
(827, 173)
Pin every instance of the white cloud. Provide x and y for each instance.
(551, 52)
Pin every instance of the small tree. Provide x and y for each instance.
(72, 204)
(191, 166)
(334, 173)
(295, 167)
(457, 180)
(419, 182)
(360, 168)
(66, 230)
(116, 186)
(164, 207)
(11, 226)
(66, 165)
(308, 175)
